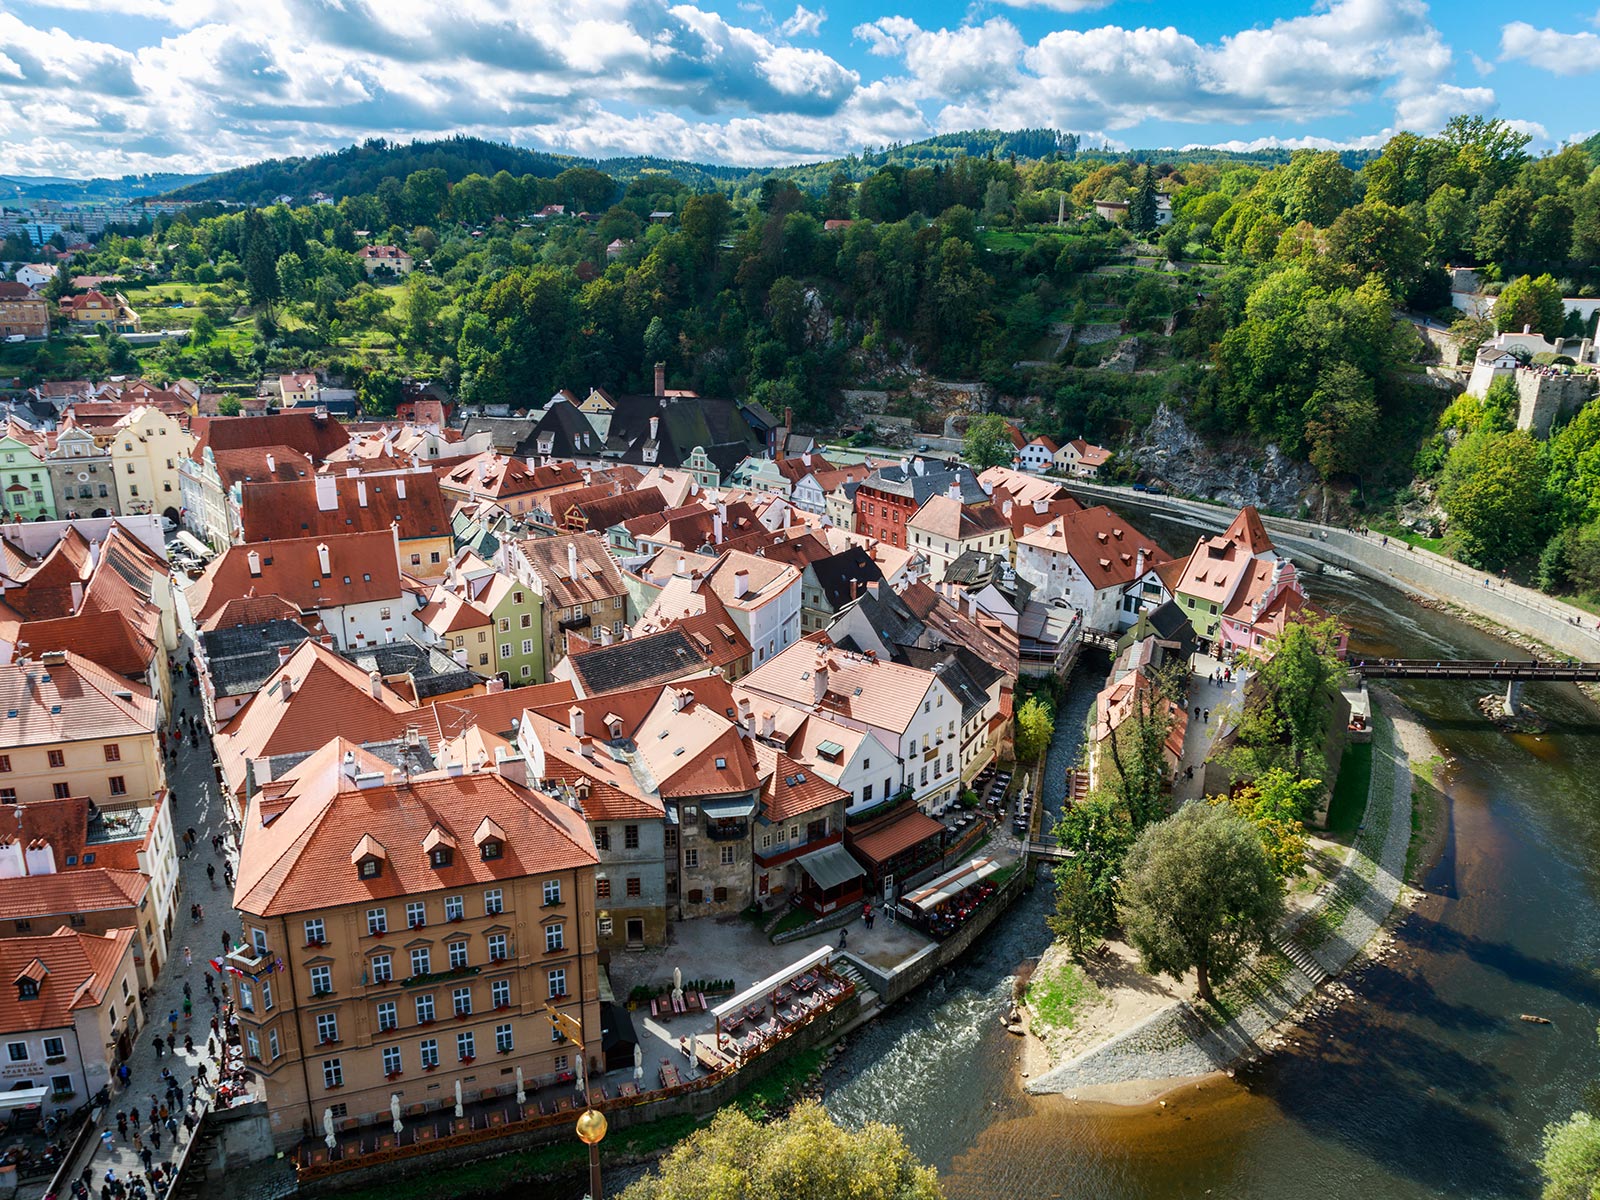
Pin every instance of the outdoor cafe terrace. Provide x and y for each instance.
(752, 1023)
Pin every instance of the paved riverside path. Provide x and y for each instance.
(195, 801)
(1179, 1042)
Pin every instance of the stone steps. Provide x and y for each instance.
(1302, 960)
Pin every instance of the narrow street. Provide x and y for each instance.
(195, 805)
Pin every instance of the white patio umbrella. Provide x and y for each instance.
(577, 1075)
(522, 1096)
(394, 1110)
(638, 1062)
(459, 1111)
(327, 1128)
(677, 985)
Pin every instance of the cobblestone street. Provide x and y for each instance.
(195, 805)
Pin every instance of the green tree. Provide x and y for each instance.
(802, 1155)
(1341, 421)
(202, 331)
(1316, 188)
(291, 277)
(1199, 893)
(1277, 804)
(1142, 201)
(1493, 490)
(1570, 1163)
(1137, 776)
(988, 442)
(1529, 301)
(380, 391)
(229, 406)
(1375, 238)
(1036, 725)
(419, 307)
(1098, 831)
(1285, 723)
(1448, 221)
(259, 255)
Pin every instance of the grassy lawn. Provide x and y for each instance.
(793, 919)
(1054, 998)
(1349, 801)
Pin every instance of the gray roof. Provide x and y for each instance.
(636, 661)
(896, 624)
(844, 576)
(933, 480)
(243, 657)
(432, 670)
(962, 671)
(505, 432)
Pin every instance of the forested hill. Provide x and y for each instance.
(358, 170)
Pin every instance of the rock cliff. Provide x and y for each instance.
(1236, 474)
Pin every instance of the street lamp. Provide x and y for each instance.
(591, 1128)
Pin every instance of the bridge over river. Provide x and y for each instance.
(1515, 672)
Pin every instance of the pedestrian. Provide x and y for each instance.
(200, 909)
(160, 1046)
(216, 1003)
(194, 912)
(227, 944)
(124, 1074)
(188, 961)
(844, 938)
(216, 1030)
(188, 1044)
(211, 873)
(107, 1142)
(146, 1157)
(188, 1122)
(165, 1113)
(155, 1140)
(122, 1124)
(138, 1141)
(200, 1070)
(1206, 718)
(188, 1008)
(172, 1021)
(210, 985)
(186, 992)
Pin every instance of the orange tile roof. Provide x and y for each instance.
(884, 843)
(598, 577)
(1102, 544)
(1089, 453)
(107, 638)
(299, 427)
(365, 504)
(77, 970)
(89, 889)
(495, 711)
(947, 517)
(301, 861)
(791, 789)
(258, 464)
(69, 698)
(363, 567)
(889, 694)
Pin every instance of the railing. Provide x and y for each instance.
(728, 833)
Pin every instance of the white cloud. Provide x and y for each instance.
(1480, 64)
(804, 22)
(1549, 49)
(1061, 6)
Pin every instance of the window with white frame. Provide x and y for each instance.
(377, 920)
(382, 968)
(497, 947)
(552, 891)
(424, 1005)
(315, 933)
(461, 1001)
(332, 1073)
(429, 1052)
(500, 992)
(391, 1060)
(252, 1044)
(388, 1015)
(503, 1042)
(266, 995)
(466, 1045)
(493, 901)
(321, 980)
(558, 982)
(454, 908)
(458, 955)
(327, 1027)
(54, 1048)
(274, 1049)
(416, 914)
(421, 960)
(554, 938)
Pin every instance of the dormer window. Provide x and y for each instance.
(490, 850)
(27, 989)
(370, 868)
(439, 856)
(368, 857)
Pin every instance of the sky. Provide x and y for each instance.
(109, 87)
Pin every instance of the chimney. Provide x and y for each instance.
(875, 589)
(286, 688)
(272, 464)
(806, 458)
(955, 489)
(920, 466)
(361, 492)
(375, 683)
(788, 419)
(764, 727)
(322, 412)
(400, 487)
(77, 596)
(655, 429)
(511, 766)
(327, 493)
(322, 559)
(253, 559)
(819, 678)
(575, 720)
(661, 379)
(683, 565)
(744, 710)
(1138, 564)
(605, 635)
(283, 654)
(572, 560)
(716, 529)
(349, 765)
(741, 584)
(94, 549)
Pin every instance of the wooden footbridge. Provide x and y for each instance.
(1514, 672)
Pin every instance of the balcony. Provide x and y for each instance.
(439, 976)
(728, 831)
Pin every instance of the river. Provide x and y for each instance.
(1427, 1085)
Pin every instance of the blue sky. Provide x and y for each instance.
(103, 87)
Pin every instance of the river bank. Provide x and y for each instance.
(1139, 1041)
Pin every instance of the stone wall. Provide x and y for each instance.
(1542, 399)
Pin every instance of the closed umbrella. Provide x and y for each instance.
(459, 1111)
(327, 1127)
(577, 1077)
(677, 985)
(522, 1096)
(638, 1062)
(394, 1110)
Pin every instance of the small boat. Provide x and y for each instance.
(1533, 1020)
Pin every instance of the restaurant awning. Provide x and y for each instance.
(952, 883)
(883, 844)
(760, 991)
(22, 1098)
(830, 867)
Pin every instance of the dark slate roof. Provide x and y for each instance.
(1169, 621)
(568, 425)
(635, 661)
(933, 481)
(896, 624)
(759, 415)
(434, 672)
(337, 408)
(715, 424)
(844, 576)
(962, 671)
(507, 433)
(243, 657)
(975, 570)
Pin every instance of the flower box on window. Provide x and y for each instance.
(457, 920)
(322, 991)
(328, 1041)
(394, 1074)
(427, 1021)
(466, 1058)
(333, 1087)
(501, 1007)
(505, 1050)
(59, 1058)
(316, 941)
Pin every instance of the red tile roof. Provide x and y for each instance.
(73, 970)
(1102, 544)
(884, 843)
(86, 890)
(362, 567)
(64, 697)
(259, 464)
(789, 789)
(364, 504)
(300, 427)
(107, 638)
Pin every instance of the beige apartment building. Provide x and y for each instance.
(403, 935)
(68, 727)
